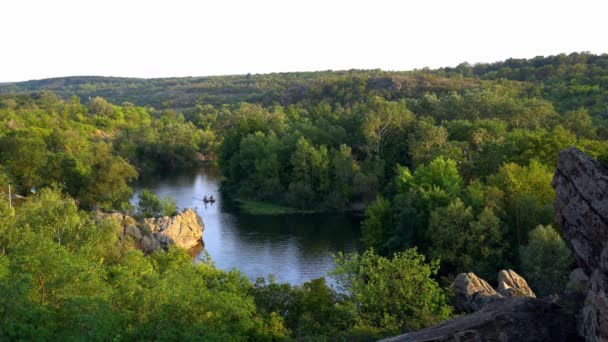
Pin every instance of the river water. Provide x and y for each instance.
(294, 248)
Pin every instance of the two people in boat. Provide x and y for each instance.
(208, 200)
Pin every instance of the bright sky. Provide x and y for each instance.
(150, 38)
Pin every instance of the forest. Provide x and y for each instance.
(451, 168)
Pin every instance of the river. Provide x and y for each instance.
(294, 248)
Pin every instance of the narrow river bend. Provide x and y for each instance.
(295, 248)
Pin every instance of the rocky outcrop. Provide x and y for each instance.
(505, 319)
(510, 313)
(581, 209)
(472, 292)
(511, 284)
(383, 83)
(184, 230)
(581, 205)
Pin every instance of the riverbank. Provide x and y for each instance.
(263, 208)
(251, 207)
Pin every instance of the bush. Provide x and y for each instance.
(150, 205)
(391, 295)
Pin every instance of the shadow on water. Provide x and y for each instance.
(295, 248)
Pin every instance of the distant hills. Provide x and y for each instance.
(569, 81)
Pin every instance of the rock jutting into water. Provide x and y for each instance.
(184, 230)
(511, 313)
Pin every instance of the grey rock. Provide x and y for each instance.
(506, 319)
(577, 281)
(133, 232)
(581, 209)
(581, 205)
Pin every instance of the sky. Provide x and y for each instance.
(133, 38)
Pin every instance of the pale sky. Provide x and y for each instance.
(135, 38)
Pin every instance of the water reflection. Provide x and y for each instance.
(295, 248)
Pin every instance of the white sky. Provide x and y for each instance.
(135, 38)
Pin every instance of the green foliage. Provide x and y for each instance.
(378, 219)
(464, 244)
(528, 197)
(546, 261)
(150, 205)
(393, 295)
(462, 172)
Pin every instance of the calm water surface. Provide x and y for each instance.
(295, 248)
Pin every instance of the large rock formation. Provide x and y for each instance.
(473, 293)
(506, 319)
(581, 209)
(509, 313)
(184, 230)
(511, 284)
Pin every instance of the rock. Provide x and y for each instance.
(184, 230)
(577, 281)
(511, 284)
(472, 292)
(505, 319)
(581, 205)
(581, 209)
(133, 232)
(147, 244)
(383, 83)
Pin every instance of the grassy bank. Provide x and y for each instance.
(263, 208)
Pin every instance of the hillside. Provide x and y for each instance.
(569, 81)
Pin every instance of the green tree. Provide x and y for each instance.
(391, 295)
(546, 261)
(375, 229)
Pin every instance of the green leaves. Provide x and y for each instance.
(546, 260)
(391, 295)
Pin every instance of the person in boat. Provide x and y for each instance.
(211, 199)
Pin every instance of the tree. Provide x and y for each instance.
(384, 122)
(310, 177)
(580, 123)
(344, 169)
(391, 295)
(375, 229)
(546, 261)
(528, 196)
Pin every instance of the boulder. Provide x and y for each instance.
(505, 319)
(134, 232)
(511, 284)
(472, 292)
(184, 230)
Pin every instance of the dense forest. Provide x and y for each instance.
(452, 168)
